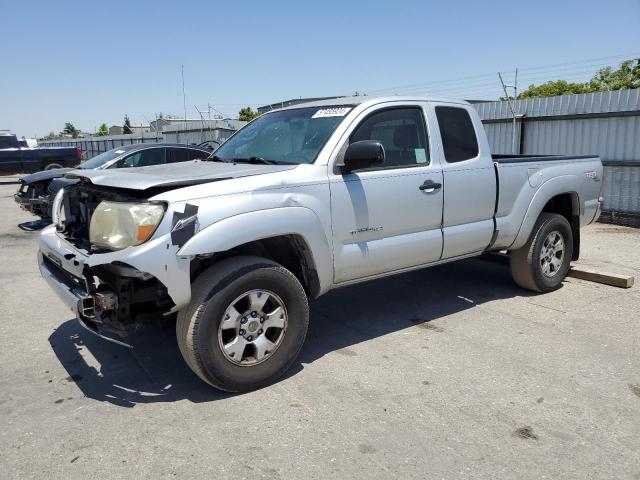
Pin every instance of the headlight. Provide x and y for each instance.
(117, 225)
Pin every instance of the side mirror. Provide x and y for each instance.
(363, 154)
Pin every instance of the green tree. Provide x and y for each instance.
(69, 129)
(247, 114)
(627, 75)
(553, 88)
(126, 128)
(103, 131)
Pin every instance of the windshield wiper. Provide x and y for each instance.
(255, 160)
(216, 158)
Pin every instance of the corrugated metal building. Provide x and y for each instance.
(189, 133)
(197, 132)
(605, 123)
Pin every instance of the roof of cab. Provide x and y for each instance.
(369, 100)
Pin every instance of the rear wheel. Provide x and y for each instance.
(543, 262)
(245, 325)
(51, 166)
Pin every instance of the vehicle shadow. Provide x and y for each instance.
(154, 371)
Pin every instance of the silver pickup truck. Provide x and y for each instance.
(298, 202)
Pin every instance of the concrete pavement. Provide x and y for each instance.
(451, 372)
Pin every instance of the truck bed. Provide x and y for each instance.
(504, 158)
(523, 181)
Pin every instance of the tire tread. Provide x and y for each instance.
(521, 259)
(205, 286)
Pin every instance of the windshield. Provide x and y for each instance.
(101, 159)
(290, 136)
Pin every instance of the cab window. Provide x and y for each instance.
(143, 158)
(458, 136)
(176, 154)
(402, 134)
(6, 141)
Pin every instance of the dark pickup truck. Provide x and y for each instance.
(15, 156)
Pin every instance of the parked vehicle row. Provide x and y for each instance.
(300, 201)
(37, 191)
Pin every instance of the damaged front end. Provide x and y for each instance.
(111, 292)
(121, 299)
(34, 198)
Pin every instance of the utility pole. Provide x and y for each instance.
(184, 98)
(202, 123)
(513, 112)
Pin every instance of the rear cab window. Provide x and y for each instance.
(458, 135)
(178, 154)
(6, 141)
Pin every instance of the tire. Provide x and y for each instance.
(531, 268)
(201, 337)
(51, 166)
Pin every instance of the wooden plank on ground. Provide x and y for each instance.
(591, 275)
(613, 279)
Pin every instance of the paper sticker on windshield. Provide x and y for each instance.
(331, 112)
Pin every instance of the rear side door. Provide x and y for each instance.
(469, 179)
(382, 220)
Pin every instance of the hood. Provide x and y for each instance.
(45, 175)
(180, 174)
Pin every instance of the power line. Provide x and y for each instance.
(621, 57)
(540, 69)
(468, 88)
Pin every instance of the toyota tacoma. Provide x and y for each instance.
(300, 201)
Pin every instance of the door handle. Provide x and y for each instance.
(430, 186)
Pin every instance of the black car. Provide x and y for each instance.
(37, 191)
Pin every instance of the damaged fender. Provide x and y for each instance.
(247, 227)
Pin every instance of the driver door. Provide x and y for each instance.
(382, 220)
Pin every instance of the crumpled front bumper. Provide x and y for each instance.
(30, 204)
(70, 294)
(37, 205)
(73, 291)
(69, 270)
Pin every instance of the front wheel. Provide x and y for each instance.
(245, 325)
(543, 262)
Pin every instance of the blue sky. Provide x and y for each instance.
(92, 62)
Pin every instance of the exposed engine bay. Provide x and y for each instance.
(117, 296)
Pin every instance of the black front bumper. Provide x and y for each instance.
(25, 198)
